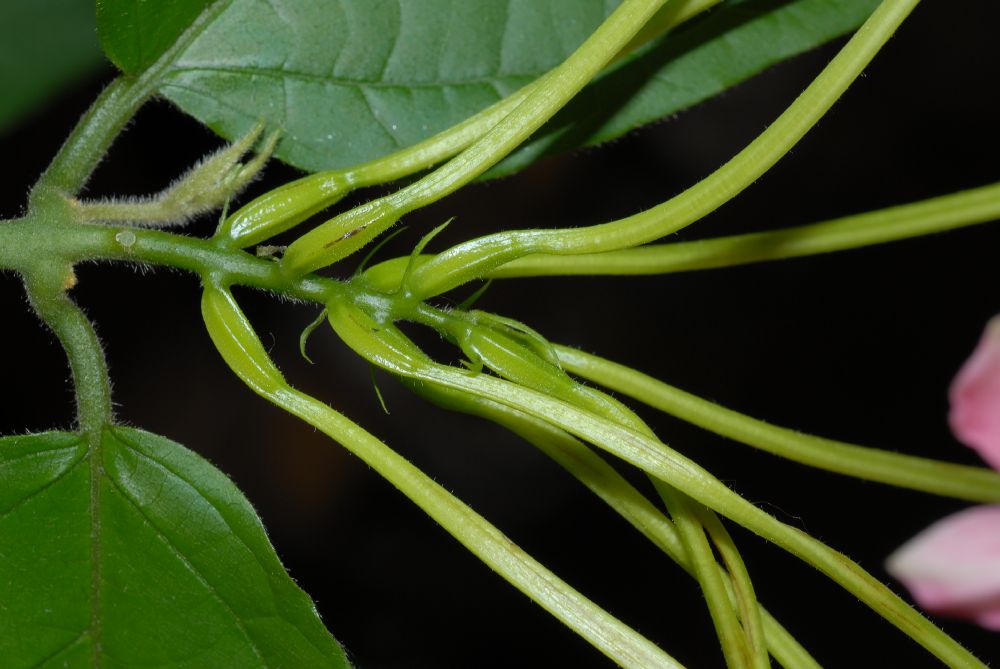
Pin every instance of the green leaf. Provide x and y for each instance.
(136, 552)
(44, 45)
(134, 33)
(350, 80)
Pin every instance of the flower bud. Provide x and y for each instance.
(283, 208)
(953, 567)
(975, 397)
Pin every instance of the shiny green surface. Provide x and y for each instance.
(355, 80)
(110, 571)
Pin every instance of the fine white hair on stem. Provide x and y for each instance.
(206, 186)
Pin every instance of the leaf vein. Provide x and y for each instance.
(212, 590)
(24, 500)
(378, 119)
(62, 649)
(127, 441)
(342, 81)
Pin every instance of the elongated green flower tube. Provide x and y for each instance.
(284, 208)
(478, 257)
(345, 234)
(604, 481)
(976, 484)
(502, 345)
(242, 350)
(913, 219)
(368, 338)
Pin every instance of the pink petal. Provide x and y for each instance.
(975, 397)
(953, 567)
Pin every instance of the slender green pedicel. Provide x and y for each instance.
(976, 484)
(388, 348)
(605, 482)
(242, 350)
(478, 257)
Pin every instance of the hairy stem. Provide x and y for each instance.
(92, 136)
(90, 139)
(47, 293)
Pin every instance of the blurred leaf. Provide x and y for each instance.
(134, 33)
(44, 45)
(350, 80)
(148, 557)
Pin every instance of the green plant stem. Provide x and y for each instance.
(48, 239)
(71, 243)
(352, 230)
(948, 212)
(90, 139)
(93, 407)
(46, 285)
(388, 349)
(914, 219)
(46, 288)
(611, 487)
(709, 576)
(479, 257)
(606, 633)
(243, 352)
(745, 600)
(726, 597)
(975, 484)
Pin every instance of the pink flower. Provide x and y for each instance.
(953, 567)
(975, 397)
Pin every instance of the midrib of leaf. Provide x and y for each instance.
(154, 73)
(349, 81)
(95, 453)
(95, 457)
(124, 440)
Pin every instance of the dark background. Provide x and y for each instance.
(858, 346)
